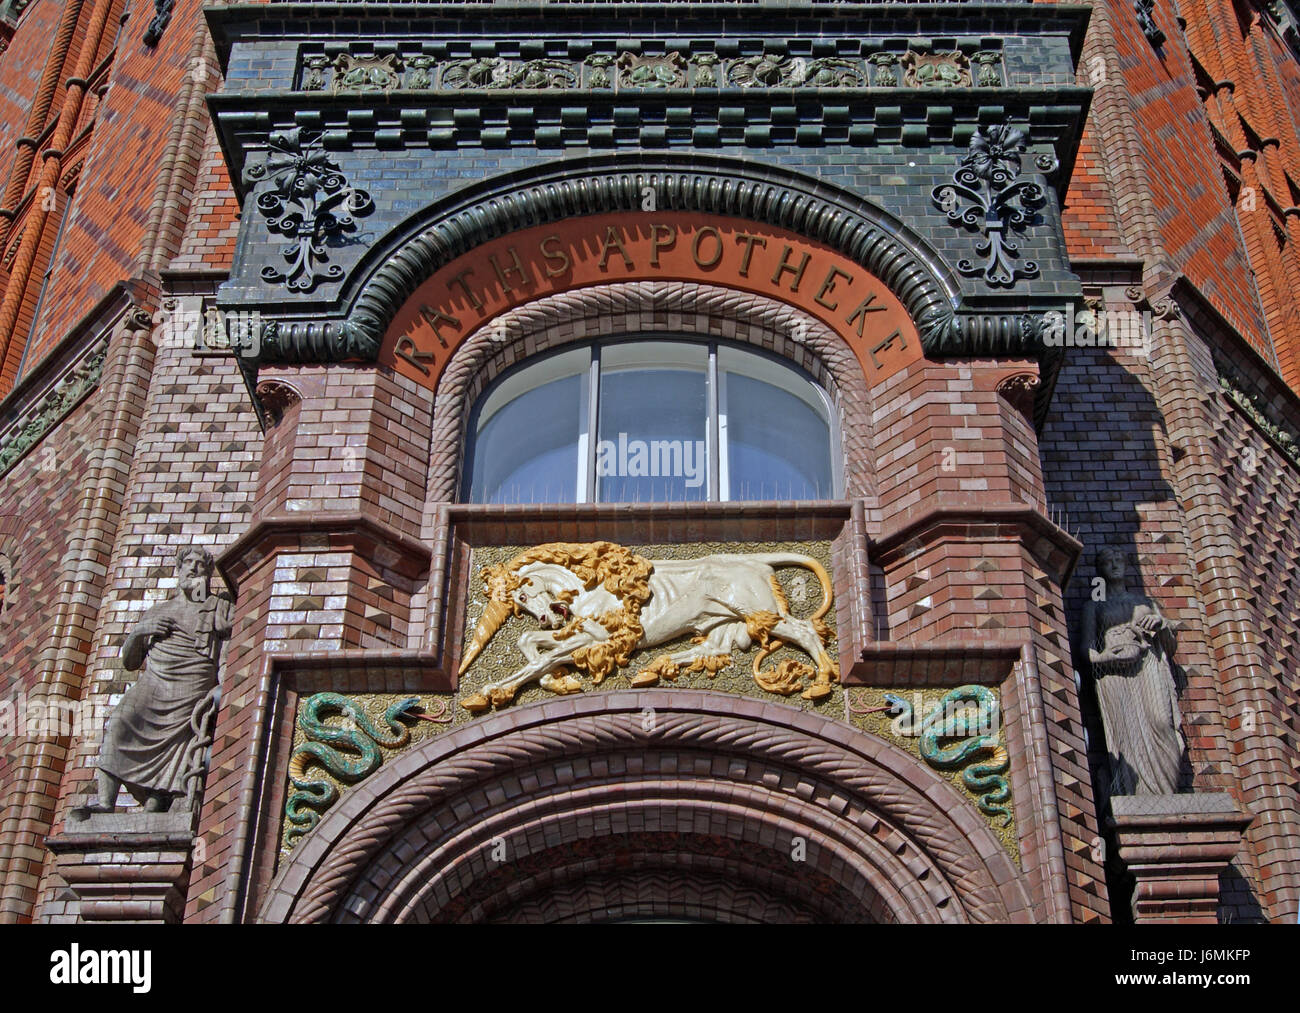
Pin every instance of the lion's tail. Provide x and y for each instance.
(808, 563)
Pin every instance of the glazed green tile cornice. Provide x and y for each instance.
(549, 121)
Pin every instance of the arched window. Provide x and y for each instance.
(652, 421)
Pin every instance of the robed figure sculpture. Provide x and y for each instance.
(157, 733)
(1129, 644)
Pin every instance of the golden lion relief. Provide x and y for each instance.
(598, 602)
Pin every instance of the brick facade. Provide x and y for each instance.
(982, 470)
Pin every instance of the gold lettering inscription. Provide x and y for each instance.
(828, 286)
(785, 266)
(708, 230)
(663, 237)
(860, 314)
(749, 242)
(474, 300)
(406, 349)
(902, 343)
(556, 254)
(503, 272)
(613, 242)
(437, 320)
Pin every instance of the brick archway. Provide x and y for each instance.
(651, 804)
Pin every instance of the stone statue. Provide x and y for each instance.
(1129, 644)
(157, 733)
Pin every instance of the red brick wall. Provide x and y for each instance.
(103, 236)
(38, 496)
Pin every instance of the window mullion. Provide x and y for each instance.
(712, 428)
(593, 421)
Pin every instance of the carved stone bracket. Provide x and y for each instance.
(126, 866)
(277, 397)
(987, 195)
(161, 19)
(1161, 307)
(1175, 847)
(1019, 390)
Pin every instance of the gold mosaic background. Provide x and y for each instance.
(437, 705)
(880, 725)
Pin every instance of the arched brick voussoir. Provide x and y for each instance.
(652, 307)
(414, 878)
(823, 763)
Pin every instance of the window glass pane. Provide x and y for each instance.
(532, 433)
(775, 431)
(653, 428)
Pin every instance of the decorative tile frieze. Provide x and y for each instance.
(360, 70)
(666, 70)
(935, 70)
(1257, 409)
(366, 73)
(886, 73)
(53, 408)
(989, 74)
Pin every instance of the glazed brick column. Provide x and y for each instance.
(345, 465)
(948, 443)
(328, 563)
(1262, 767)
(38, 496)
(76, 606)
(967, 553)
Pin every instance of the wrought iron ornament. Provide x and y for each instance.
(1146, 15)
(310, 201)
(986, 195)
(161, 19)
